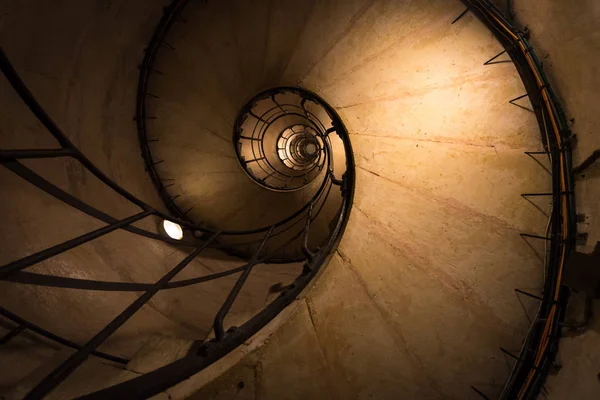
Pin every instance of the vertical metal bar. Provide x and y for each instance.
(479, 393)
(529, 294)
(29, 100)
(56, 192)
(459, 17)
(511, 355)
(58, 339)
(488, 62)
(508, 10)
(304, 110)
(188, 210)
(167, 45)
(256, 116)
(595, 156)
(29, 260)
(218, 323)
(508, 353)
(172, 199)
(305, 250)
(268, 176)
(255, 160)
(334, 180)
(518, 98)
(541, 194)
(276, 103)
(34, 153)
(23, 92)
(69, 365)
(531, 155)
(13, 332)
(534, 236)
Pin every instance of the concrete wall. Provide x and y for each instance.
(568, 38)
(81, 61)
(218, 63)
(419, 295)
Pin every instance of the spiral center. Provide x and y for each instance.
(281, 139)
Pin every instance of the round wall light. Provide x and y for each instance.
(173, 230)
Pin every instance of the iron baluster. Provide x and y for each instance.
(41, 153)
(218, 324)
(35, 258)
(11, 334)
(462, 14)
(307, 253)
(69, 365)
(49, 335)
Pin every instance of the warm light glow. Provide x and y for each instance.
(173, 230)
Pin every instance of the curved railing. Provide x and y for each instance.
(240, 243)
(541, 343)
(263, 245)
(539, 347)
(170, 15)
(280, 143)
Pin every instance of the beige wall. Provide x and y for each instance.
(419, 296)
(567, 36)
(80, 60)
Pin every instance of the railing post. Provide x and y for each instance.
(68, 366)
(218, 323)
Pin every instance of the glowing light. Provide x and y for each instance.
(311, 149)
(173, 230)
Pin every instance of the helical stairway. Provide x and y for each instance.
(388, 151)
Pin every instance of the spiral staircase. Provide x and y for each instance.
(261, 125)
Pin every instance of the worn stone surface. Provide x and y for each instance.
(297, 344)
(81, 62)
(419, 297)
(238, 383)
(357, 342)
(21, 355)
(90, 376)
(158, 351)
(562, 33)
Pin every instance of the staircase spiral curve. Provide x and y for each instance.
(257, 168)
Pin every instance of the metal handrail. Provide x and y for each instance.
(27, 325)
(541, 343)
(15, 270)
(165, 377)
(255, 139)
(172, 13)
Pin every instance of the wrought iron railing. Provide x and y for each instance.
(540, 346)
(280, 141)
(264, 245)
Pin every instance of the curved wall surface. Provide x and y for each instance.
(419, 295)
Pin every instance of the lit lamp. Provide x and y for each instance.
(173, 230)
